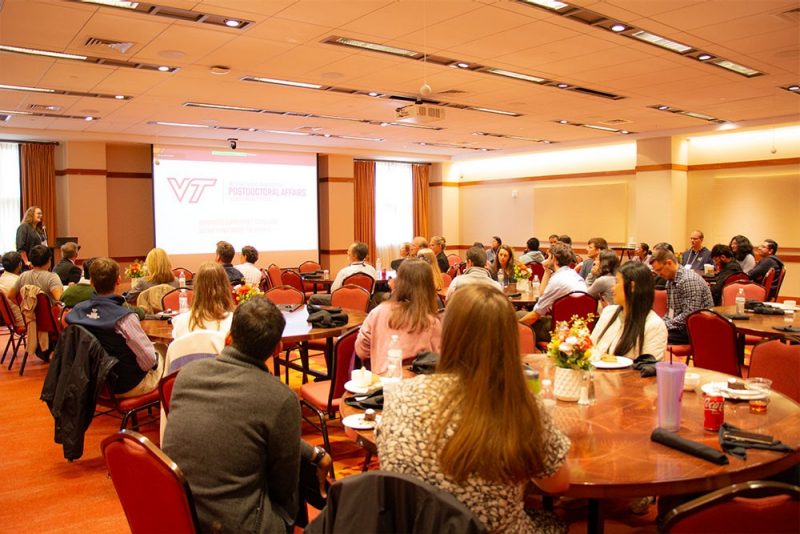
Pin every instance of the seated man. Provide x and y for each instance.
(234, 430)
(438, 245)
(39, 275)
(225, 254)
(596, 245)
(405, 250)
(12, 265)
(417, 243)
(251, 273)
(356, 254)
(558, 280)
(769, 260)
(696, 256)
(532, 254)
(476, 272)
(686, 292)
(726, 264)
(81, 291)
(119, 332)
(642, 254)
(67, 271)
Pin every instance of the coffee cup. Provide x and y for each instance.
(708, 269)
(691, 381)
(361, 377)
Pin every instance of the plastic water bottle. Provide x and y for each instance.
(547, 396)
(394, 369)
(535, 285)
(183, 302)
(378, 266)
(501, 277)
(740, 301)
(182, 280)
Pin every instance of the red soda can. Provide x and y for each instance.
(713, 412)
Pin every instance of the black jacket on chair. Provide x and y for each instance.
(78, 369)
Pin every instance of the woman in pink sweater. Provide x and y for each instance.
(410, 313)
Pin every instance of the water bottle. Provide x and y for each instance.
(547, 396)
(394, 369)
(181, 280)
(535, 286)
(501, 277)
(740, 299)
(378, 266)
(183, 302)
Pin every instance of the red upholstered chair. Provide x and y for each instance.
(266, 283)
(47, 321)
(446, 279)
(186, 273)
(660, 302)
(309, 267)
(715, 345)
(293, 279)
(151, 487)
(360, 279)
(17, 333)
(171, 300)
(454, 271)
(165, 390)
(324, 397)
(453, 259)
(780, 362)
(756, 506)
(779, 285)
(537, 269)
(274, 273)
(285, 295)
(577, 303)
(526, 341)
(751, 292)
(129, 407)
(734, 278)
(767, 282)
(349, 297)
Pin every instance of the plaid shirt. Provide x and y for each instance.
(688, 292)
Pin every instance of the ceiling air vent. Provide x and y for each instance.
(43, 107)
(119, 46)
(4, 117)
(615, 122)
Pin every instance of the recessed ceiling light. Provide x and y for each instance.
(373, 93)
(624, 132)
(484, 150)
(181, 124)
(793, 88)
(515, 75)
(357, 138)
(232, 23)
(277, 81)
(9, 112)
(163, 68)
(562, 85)
(113, 3)
(603, 128)
(495, 111)
(37, 52)
(618, 28)
(119, 97)
(704, 57)
(25, 88)
(663, 108)
(553, 5)
(284, 132)
(663, 42)
(219, 106)
(88, 118)
(326, 135)
(735, 67)
(357, 43)
(562, 121)
(462, 65)
(384, 124)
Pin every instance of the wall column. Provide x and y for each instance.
(445, 213)
(336, 209)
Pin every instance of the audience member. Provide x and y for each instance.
(476, 272)
(212, 303)
(660, 283)
(642, 254)
(726, 265)
(430, 258)
(686, 292)
(553, 239)
(769, 260)
(593, 249)
(118, 330)
(234, 430)
(491, 253)
(564, 238)
(558, 280)
(159, 271)
(438, 244)
(66, 269)
(81, 291)
(356, 254)
(12, 265)
(410, 313)
(630, 327)
(225, 253)
(251, 273)
(743, 252)
(417, 243)
(39, 275)
(602, 279)
(696, 256)
(30, 233)
(405, 250)
(504, 261)
(473, 428)
(532, 254)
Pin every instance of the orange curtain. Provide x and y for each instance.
(364, 197)
(38, 176)
(420, 173)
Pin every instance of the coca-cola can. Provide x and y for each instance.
(713, 412)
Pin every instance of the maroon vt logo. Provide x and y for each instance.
(193, 186)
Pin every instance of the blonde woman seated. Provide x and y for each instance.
(631, 327)
(410, 313)
(474, 429)
(429, 256)
(212, 307)
(159, 271)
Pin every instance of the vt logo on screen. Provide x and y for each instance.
(193, 186)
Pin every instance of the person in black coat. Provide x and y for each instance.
(66, 268)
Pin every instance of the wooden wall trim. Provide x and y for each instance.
(333, 252)
(337, 180)
(87, 172)
(444, 184)
(745, 164)
(135, 175)
(662, 167)
(596, 174)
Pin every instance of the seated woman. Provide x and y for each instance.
(473, 429)
(600, 282)
(159, 271)
(504, 261)
(212, 306)
(410, 313)
(743, 251)
(631, 327)
(429, 256)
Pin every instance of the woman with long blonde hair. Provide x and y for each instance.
(30, 232)
(429, 256)
(411, 313)
(473, 428)
(159, 271)
(212, 305)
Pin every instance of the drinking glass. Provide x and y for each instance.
(763, 385)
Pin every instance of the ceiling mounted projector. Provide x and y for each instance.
(419, 114)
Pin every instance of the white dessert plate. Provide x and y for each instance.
(621, 362)
(351, 386)
(721, 389)
(357, 422)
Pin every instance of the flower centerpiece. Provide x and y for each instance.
(522, 276)
(570, 348)
(245, 292)
(136, 269)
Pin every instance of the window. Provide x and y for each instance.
(9, 196)
(394, 211)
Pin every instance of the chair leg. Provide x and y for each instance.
(304, 361)
(24, 360)
(8, 344)
(367, 460)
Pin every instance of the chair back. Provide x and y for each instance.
(453, 259)
(274, 273)
(767, 282)
(734, 278)
(171, 300)
(151, 487)
(660, 305)
(193, 346)
(8, 316)
(446, 279)
(165, 386)
(266, 282)
(714, 342)
(779, 284)
(186, 273)
(344, 353)
(537, 269)
(755, 506)
(285, 295)
(309, 267)
(577, 303)
(362, 280)
(396, 503)
(527, 344)
(351, 297)
(454, 270)
(293, 279)
(751, 291)
(47, 315)
(780, 362)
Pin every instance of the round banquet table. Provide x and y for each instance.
(612, 455)
(761, 325)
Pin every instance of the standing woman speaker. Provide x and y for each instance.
(31, 232)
